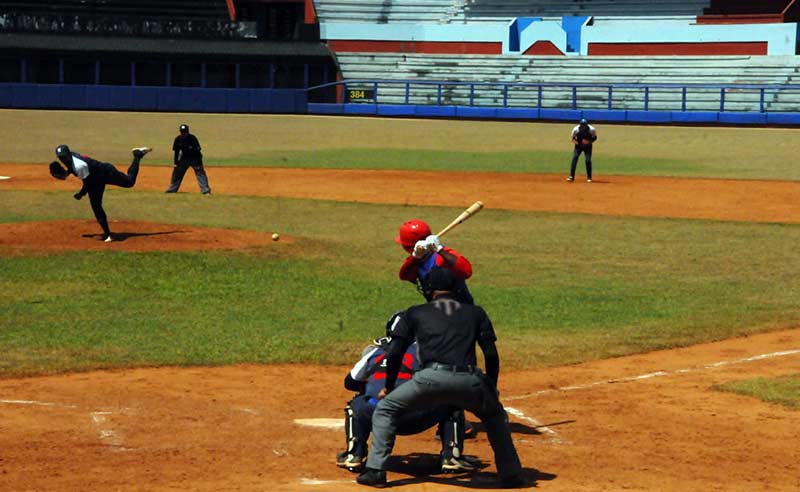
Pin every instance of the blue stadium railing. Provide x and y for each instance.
(701, 103)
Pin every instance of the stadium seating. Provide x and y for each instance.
(384, 12)
(446, 11)
(155, 9)
(743, 11)
(732, 7)
(600, 72)
(176, 18)
(506, 9)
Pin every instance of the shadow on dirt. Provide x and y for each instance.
(122, 236)
(424, 468)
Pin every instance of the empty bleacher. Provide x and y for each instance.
(599, 72)
(745, 11)
(732, 7)
(447, 11)
(154, 9)
(381, 12)
(182, 18)
(507, 9)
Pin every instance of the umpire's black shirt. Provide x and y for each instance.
(446, 332)
(187, 149)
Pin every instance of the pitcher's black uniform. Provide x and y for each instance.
(446, 332)
(188, 153)
(95, 176)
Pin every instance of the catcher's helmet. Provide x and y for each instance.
(390, 324)
(439, 278)
(412, 231)
(62, 151)
(584, 121)
(184, 128)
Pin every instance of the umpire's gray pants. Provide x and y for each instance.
(179, 170)
(431, 387)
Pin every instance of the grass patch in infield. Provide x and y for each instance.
(783, 390)
(398, 143)
(444, 160)
(560, 288)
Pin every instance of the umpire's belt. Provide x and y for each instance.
(436, 366)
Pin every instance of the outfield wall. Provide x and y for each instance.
(619, 116)
(295, 101)
(167, 99)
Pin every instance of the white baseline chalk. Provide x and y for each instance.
(538, 425)
(657, 374)
(36, 403)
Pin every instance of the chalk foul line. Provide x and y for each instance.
(552, 435)
(37, 403)
(656, 374)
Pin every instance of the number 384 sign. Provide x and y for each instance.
(360, 94)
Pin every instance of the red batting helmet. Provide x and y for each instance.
(412, 231)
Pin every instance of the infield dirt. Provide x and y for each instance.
(650, 422)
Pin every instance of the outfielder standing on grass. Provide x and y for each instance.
(583, 136)
(187, 154)
(95, 176)
(426, 252)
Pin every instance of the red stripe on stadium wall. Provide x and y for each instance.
(310, 16)
(429, 47)
(678, 49)
(543, 48)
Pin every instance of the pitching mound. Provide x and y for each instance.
(85, 235)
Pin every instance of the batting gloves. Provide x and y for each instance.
(434, 243)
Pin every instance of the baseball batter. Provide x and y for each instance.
(446, 332)
(583, 136)
(426, 252)
(367, 378)
(95, 175)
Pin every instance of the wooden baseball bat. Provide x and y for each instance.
(466, 214)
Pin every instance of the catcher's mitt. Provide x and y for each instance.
(58, 171)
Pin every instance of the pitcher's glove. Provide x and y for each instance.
(58, 171)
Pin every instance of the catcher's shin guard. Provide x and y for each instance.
(350, 458)
(348, 428)
(452, 431)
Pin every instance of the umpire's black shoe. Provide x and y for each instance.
(513, 482)
(372, 477)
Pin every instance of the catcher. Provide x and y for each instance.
(583, 136)
(95, 176)
(367, 378)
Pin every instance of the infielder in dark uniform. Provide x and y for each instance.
(367, 377)
(95, 176)
(446, 331)
(187, 154)
(583, 136)
(426, 252)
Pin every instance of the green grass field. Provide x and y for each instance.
(782, 391)
(341, 142)
(560, 288)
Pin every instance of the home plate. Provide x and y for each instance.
(324, 423)
(5, 177)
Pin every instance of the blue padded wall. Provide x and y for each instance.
(134, 98)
